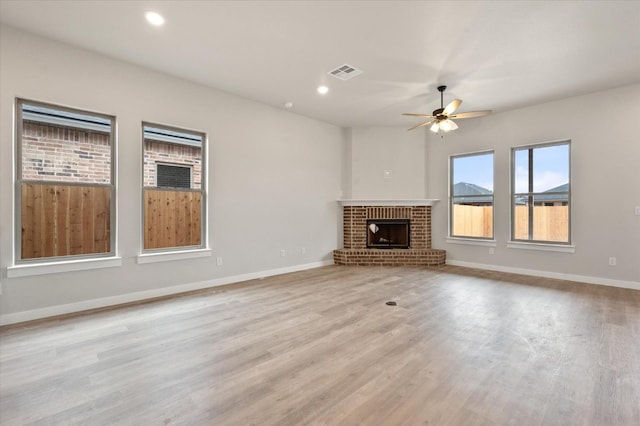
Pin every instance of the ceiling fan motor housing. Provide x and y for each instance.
(437, 113)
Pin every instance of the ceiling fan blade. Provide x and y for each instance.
(418, 115)
(426, 123)
(452, 107)
(471, 114)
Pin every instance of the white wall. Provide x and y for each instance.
(376, 149)
(604, 129)
(274, 176)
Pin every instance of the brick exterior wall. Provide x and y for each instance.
(169, 153)
(65, 154)
(355, 251)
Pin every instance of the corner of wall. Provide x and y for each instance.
(427, 151)
(347, 187)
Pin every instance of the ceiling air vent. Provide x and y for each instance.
(345, 72)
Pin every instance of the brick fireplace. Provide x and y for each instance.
(359, 215)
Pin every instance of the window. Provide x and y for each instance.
(65, 192)
(173, 195)
(541, 197)
(471, 195)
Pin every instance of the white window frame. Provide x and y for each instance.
(530, 243)
(463, 239)
(32, 266)
(178, 252)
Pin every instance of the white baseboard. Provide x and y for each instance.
(149, 294)
(35, 314)
(547, 274)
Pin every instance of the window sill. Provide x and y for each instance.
(471, 241)
(173, 255)
(542, 246)
(31, 269)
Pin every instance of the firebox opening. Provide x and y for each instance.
(388, 233)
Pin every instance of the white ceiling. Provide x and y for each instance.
(492, 55)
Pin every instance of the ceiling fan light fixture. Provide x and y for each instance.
(441, 117)
(445, 126)
(448, 125)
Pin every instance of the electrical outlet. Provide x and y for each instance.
(612, 261)
(219, 261)
(283, 253)
(303, 250)
(492, 250)
(637, 210)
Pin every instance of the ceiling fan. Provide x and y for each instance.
(442, 117)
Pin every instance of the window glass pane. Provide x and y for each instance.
(521, 218)
(472, 196)
(551, 220)
(521, 169)
(551, 168)
(172, 219)
(64, 220)
(63, 146)
(162, 146)
(471, 220)
(473, 174)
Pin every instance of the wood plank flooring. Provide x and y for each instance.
(462, 347)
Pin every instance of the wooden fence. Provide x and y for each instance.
(172, 218)
(68, 220)
(472, 221)
(550, 223)
(65, 220)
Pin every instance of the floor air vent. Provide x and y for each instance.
(345, 72)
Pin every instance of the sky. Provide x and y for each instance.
(550, 169)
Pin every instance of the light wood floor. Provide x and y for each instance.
(461, 347)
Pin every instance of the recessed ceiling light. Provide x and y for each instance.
(288, 104)
(323, 90)
(154, 18)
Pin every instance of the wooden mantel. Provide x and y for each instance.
(387, 202)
